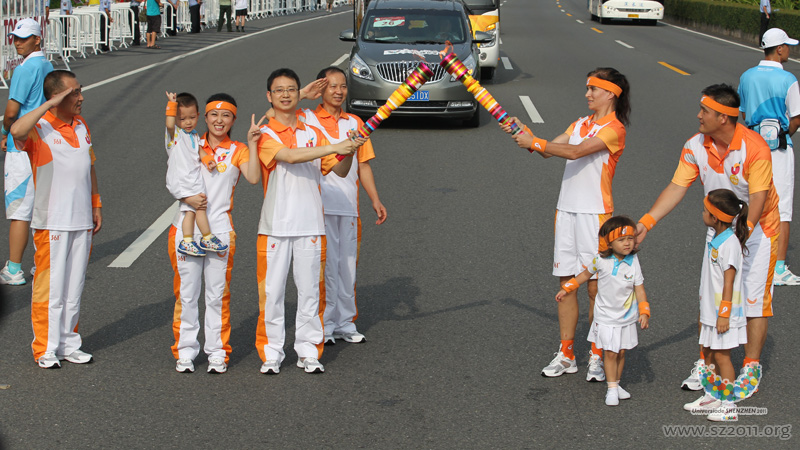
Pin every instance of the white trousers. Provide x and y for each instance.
(61, 259)
(343, 239)
(190, 272)
(306, 256)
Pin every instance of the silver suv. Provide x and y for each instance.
(394, 35)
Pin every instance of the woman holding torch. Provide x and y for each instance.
(592, 146)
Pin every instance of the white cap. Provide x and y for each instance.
(775, 37)
(26, 28)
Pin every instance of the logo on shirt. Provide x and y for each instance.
(734, 180)
(628, 277)
(735, 169)
(88, 141)
(714, 255)
(273, 246)
(752, 301)
(314, 240)
(222, 167)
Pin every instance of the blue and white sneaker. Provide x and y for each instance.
(190, 248)
(213, 244)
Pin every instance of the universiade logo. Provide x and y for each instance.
(740, 410)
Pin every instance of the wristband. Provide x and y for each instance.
(648, 221)
(4, 131)
(96, 201)
(644, 308)
(341, 157)
(538, 145)
(725, 309)
(172, 109)
(570, 285)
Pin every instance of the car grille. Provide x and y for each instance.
(398, 71)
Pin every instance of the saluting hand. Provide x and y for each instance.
(56, 99)
(313, 90)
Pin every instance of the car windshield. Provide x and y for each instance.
(414, 27)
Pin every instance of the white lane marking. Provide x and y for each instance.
(500, 40)
(563, 10)
(130, 254)
(723, 40)
(624, 44)
(341, 59)
(533, 113)
(578, 20)
(506, 62)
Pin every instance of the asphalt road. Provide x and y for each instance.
(455, 291)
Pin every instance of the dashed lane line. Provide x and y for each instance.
(533, 113)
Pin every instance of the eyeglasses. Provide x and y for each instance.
(280, 91)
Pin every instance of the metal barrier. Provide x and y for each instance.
(53, 45)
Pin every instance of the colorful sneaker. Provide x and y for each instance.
(329, 340)
(77, 357)
(559, 366)
(185, 365)
(726, 412)
(595, 372)
(310, 365)
(217, 365)
(787, 278)
(612, 397)
(190, 249)
(271, 367)
(622, 393)
(49, 361)
(704, 404)
(7, 277)
(213, 244)
(693, 382)
(353, 337)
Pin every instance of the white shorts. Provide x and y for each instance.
(18, 186)
(725, 341)
(576, 242)
(613, 338)
(783, 179)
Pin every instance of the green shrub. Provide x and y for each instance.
(732, 16)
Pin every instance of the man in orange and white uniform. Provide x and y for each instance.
(293, 159)
(340, 202)
(728, 155)
(66, 213)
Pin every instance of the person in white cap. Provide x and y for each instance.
(24, 95)
(770, 105)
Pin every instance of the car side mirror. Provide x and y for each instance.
(347, 36)
(481, 37)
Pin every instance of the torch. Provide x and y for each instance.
(415, 80)
(459, 71)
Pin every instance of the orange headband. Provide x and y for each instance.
(603, 84)
(617, 233)
(719, 107)
(221, 105)
(721, 216)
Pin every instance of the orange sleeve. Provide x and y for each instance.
(267, 149)
(327, 161)
(613, 135)
(687, 170)
(757, 168)
(241, 155)
(570, 129)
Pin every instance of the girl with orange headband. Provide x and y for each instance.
(592, 146)
(723, 325)
(620, 303)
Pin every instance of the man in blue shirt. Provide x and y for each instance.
(194, 14)
(770, 104)
(105, 23)
(25, 94)
(766, 11)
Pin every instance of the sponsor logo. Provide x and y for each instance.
(628, 277)
(219, 105)
(723, 310)
(735, 169)
(88, 141)
(56, 141)
(752, 301)
(272, 246)
(734, 180)
(714, 254)
(222, 167)
(314, 240)
(537, 145)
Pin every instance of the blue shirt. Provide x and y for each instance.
(105, 5)
(66, 6)
(26, 86)
(763, 4)
(152, 8)
(766, 93)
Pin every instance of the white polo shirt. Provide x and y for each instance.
(722, 253)
(616, 304)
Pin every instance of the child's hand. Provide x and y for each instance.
(644, 321)
(723, 324)
(560, 295)
(172, 97)
(211, 165)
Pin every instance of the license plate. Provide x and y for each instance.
(419, 96)
(633, 15)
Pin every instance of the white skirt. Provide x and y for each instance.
(725, 341)
(613, 338)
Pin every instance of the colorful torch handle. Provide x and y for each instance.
(415, 80)
(459, 71)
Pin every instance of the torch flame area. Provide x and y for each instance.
(448, 48)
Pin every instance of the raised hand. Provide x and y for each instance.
(171, 96)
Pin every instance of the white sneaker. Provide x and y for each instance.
(329, 340)
(77, 357)
(49, 361)
(622, 393)
(354, 338)
(33, 270)
(704, 404)
(787, 278)
(185, 365)
(693, 382)
(559, 366)
(310, 365)
(16, 279)
(726, 412)
(217, 365)
(612, 397)
(595, 372)
(271, 367)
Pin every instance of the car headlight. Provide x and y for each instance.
(360, 69)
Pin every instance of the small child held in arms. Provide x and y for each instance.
(184, 177)
(620, 301)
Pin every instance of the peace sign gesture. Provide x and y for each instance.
(254, 134)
